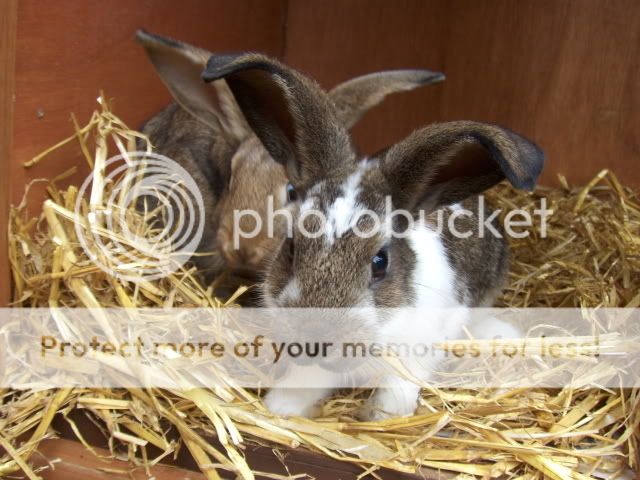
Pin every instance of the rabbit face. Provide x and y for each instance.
(237, 172)
(338, 257)
(327, 261)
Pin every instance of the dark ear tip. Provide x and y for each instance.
(148, 39)
(142, 36)
(218, 66)
(534, 162)
(428, 76)
(528, 184)
(530, 161)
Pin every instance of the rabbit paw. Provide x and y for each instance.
(494, 328)
(391, 402)
(298, 402)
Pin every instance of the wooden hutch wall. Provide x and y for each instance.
(563, 72)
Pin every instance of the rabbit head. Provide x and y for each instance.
(338, 257)
(254, 180)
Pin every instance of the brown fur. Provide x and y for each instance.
(481, 264)
(169, 131)
(340, 277)
(254, 177)
(209, 136)
(355, 97)
(300, 127)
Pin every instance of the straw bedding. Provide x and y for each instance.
(590, 258)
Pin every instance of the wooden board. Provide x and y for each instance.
(70, 460)
(68, 51)
(260, 459)
(8, 16)
(63, 459)
(565, 73)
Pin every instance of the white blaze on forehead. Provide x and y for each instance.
(308, 205)
(311, 202)
(343, 212)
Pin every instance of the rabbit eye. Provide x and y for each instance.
(379, 264)
(292, 195)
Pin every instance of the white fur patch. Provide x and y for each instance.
(398, 400)
(308, 205)
(490, 327)
(303, 402)
(344, 211)
(433, 277)
(435, 295)
(290, 292)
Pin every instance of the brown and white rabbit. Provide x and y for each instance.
(207, 133)
(441, 166)
(436, 167)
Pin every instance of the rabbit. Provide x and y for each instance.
(439, 168)
(207, 133)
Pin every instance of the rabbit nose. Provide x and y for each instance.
(237, 258)
(247, 254)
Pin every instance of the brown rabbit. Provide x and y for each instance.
(206, 132)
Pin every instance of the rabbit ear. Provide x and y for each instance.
(447, 162)
(290, 113)
(355, 97)
(180, 66)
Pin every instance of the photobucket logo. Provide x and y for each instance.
(454, 220)
(145, 216)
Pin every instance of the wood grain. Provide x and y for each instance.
(261, 459)
(70, 460)
(64, 459)
(8, 16)
(564, 73)
(68, 51)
